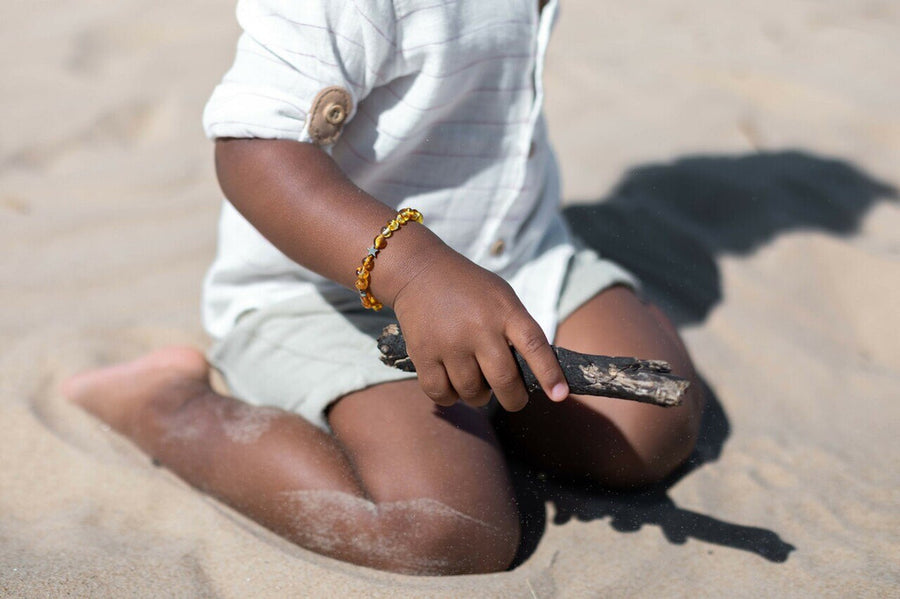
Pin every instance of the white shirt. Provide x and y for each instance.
(446, 118)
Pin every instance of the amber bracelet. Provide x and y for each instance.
(363, 273)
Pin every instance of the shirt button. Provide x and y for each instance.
(497, 247)
(335, 114)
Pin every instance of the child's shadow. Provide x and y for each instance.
(630, 511)
(667, 224)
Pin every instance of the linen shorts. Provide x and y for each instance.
(305, 353)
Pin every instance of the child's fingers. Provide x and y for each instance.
(435, 383)
(502, 374)
(467, 380)
(528, 338)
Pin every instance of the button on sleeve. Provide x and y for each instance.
(328, 113)
(301, 68)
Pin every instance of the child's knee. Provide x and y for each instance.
(653, 451)
(450, 542)
(427, 537)
(420, 536)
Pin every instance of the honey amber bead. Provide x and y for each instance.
(404, 215)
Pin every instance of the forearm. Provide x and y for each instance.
(301, 201)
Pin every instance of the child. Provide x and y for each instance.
(334, 117)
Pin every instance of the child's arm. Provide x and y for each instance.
(458, 318)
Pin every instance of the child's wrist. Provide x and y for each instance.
(412, 252)
(363, 283)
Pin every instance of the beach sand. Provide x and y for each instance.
(743, 160)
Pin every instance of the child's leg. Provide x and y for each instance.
(401, 486)
(611, 441)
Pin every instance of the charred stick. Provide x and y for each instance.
(646, 381)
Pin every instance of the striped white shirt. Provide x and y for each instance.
(445, 117)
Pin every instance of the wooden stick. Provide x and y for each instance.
(646, 381)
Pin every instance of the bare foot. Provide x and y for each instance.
(121, 395)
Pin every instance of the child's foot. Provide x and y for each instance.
(120, 395)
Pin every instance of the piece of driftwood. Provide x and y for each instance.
(646, 381)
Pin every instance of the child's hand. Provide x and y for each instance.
(459, 321)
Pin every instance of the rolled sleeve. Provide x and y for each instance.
(288, 53)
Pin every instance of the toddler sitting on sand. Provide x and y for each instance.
(339, 126)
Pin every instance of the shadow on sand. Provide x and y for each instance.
(667, 224)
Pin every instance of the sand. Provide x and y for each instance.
(742, 159)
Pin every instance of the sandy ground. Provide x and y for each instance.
(741, 157)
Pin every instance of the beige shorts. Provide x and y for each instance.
(303, 354)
